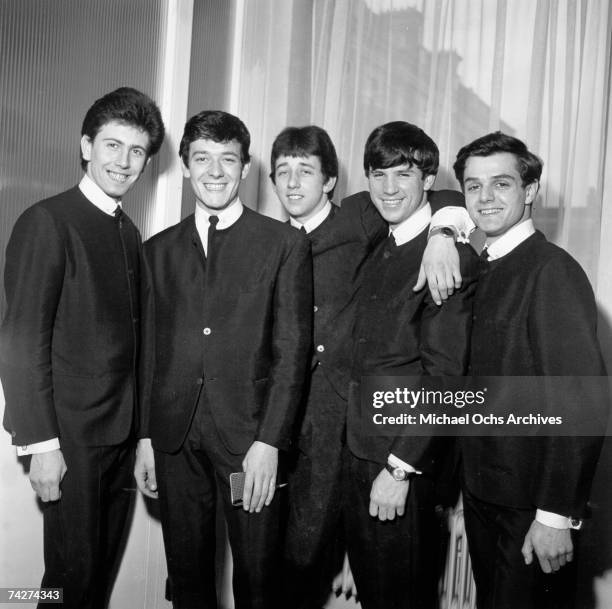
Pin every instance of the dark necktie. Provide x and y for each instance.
(484, 255)
(118, 212)
(302, 229)
(212, 229)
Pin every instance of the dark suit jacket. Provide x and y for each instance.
(535, 315)
(340, 246)
(243, 337)
(69, 337)
(402, 333)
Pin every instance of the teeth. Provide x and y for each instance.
(488, 212)
(210, 186)
(294, 197)
(118, 177)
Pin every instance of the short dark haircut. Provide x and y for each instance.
(218, 126)
(127, 106)
(528, 164)
(306, 141)
(400, 143)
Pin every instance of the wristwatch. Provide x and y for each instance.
(398, 473)
(445, 231)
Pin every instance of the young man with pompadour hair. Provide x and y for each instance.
(534, 315)
(69, 347)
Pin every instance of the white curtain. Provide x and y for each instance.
(537, 69)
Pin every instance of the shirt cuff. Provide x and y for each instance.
(38, 447)
(556, 521)
(395, 462)
(458, 218)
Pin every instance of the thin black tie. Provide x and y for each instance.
(118, 212)
(212, 229)
(302, 229)
(484, 255)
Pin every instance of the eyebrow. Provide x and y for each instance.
(505, 176)
(222, 153)
(301, 163)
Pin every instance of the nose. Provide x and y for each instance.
(123, 158)
(293, 181)
(215, 170)
(389, 185)
(486, 193)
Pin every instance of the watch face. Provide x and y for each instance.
(399, 474)
(447, 231)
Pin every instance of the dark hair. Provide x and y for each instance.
(400, 143)
(306, 141)
(528, 164)
(219, 127)
(129, 107)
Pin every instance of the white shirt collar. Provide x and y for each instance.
(315, 221)
(94, 194)
(511, 239)
(412, 226)
(227, 217)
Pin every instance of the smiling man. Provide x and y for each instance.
(69, 347)
(390, 481)
(535, 315)
(228, 332)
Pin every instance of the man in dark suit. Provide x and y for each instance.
(69, 347)
(392, 532)
(228, 342)
(535, 315)
(304, 172)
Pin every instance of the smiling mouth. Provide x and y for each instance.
(391, 202)
(118, 177)
(490, 211)
(214, 187)
(295, 197)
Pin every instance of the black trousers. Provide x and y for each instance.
(394, 563)
(83, 531)
(315, 499)
(190, 482)
(503, 581)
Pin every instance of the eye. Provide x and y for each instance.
(199, 158)
(281, 173)
(473, 187)
(230, 160)
(502, 184)
(138, 152)
(376, 174)
(306, 172)
(112, 145)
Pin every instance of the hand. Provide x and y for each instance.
(260, 465)
(553, 547)
(388, 496)
(144, 469)
(46, 472)
(440, 266)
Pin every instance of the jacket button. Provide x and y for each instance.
(206, 331)
(200, 381)
(315, 308)
(320, 348)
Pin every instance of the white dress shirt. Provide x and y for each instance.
(226, 216)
